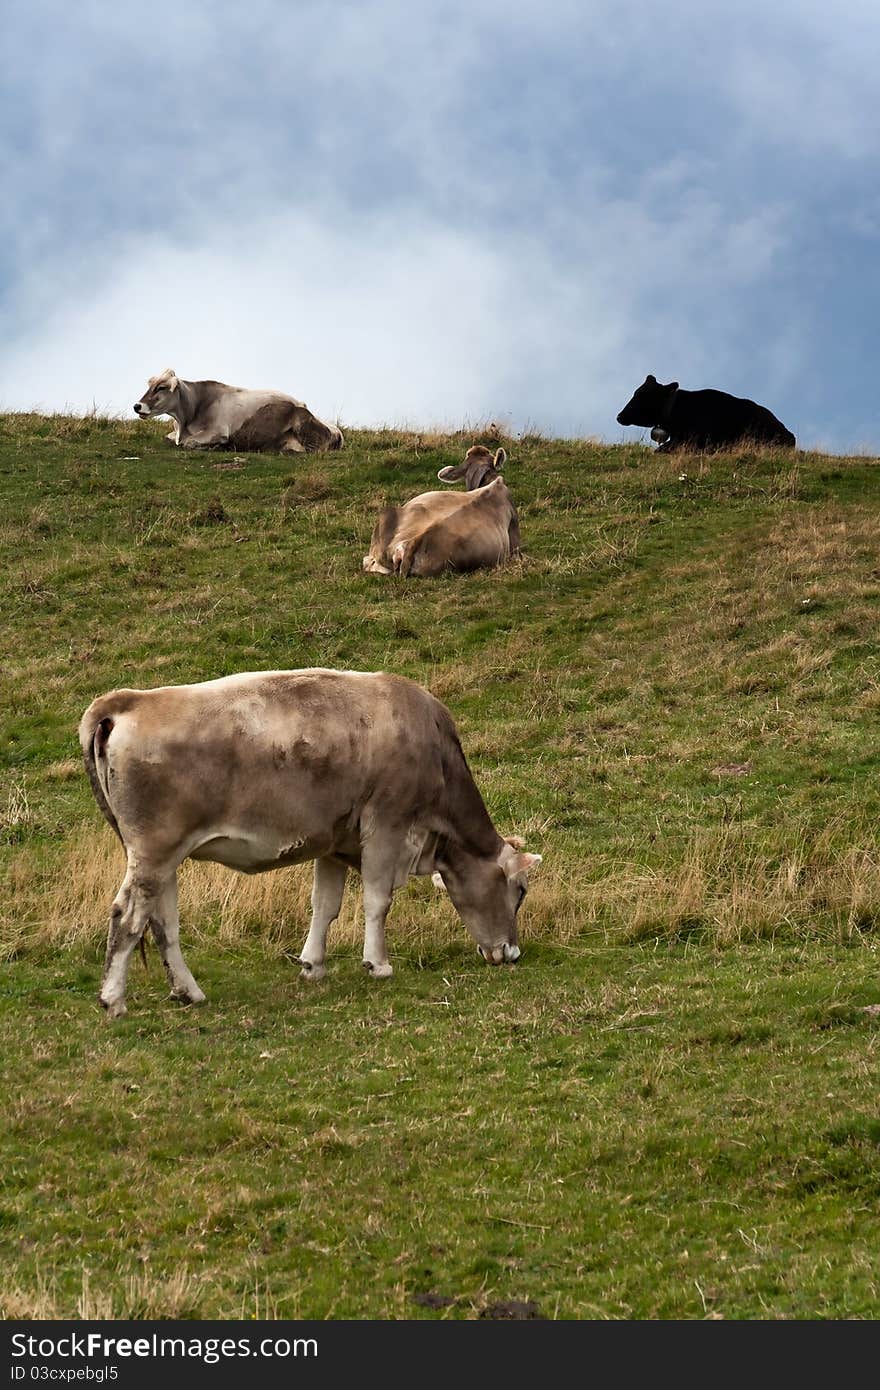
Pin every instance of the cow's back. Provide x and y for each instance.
(711, 417)
(285, 756)
(400, 528)
(475, 535)
(240, 411)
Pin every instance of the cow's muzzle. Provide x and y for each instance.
(141, 409)
(505, 954)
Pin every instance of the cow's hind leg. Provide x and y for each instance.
(379, 560)
(137, 904)
(165, 925)
(327, 889)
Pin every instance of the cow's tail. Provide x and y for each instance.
(95, 729)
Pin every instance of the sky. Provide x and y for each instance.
(445, 212)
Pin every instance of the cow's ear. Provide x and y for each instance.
(650, 381)
(452, 473)
(500, 459)
(673, 386)
(169, 379)
(526, 862)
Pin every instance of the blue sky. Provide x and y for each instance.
(446, 213)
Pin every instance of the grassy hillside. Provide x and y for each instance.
(668, 1108)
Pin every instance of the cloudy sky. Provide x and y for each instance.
(449, 211)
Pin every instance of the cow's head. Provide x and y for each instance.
(649, 404)
(488, 895)
(160, 396)
(480, 468)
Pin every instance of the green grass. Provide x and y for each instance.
(669, 1108)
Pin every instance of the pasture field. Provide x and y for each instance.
(669, 1108)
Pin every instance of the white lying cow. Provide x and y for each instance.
(211, 415)
(440, 531)
(264, 769)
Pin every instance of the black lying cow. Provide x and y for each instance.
(701, 419)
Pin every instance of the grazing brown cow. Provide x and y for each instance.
(351, 769)
(210, 415)
(440, 531)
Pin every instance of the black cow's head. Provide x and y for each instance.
(649, 404)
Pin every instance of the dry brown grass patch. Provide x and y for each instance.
(73, 905)
(128, 1295)
(65, 770)
(732, 883)
(821, 552)
(731, 886)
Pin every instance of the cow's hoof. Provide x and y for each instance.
(311, 971)
(382, 971)
(188, 996)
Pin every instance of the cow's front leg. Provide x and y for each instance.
(165, 925)
(327, 888)
(378, 870)
(204, 439)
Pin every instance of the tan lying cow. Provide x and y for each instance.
(439, 531)
(210, 415)
(256, 771)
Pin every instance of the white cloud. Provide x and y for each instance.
(434, 213)
(390, 322)
(401, 320)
